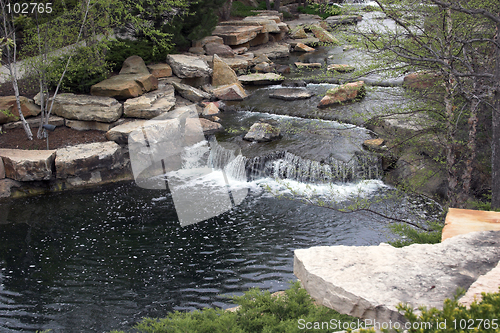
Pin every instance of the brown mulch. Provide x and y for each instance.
(59, 138)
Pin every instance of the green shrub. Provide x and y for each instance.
(86, 68)
(121, 49)
(480, 317)
(259, 312)
(410, 235)
(241, 10)
(323, 10)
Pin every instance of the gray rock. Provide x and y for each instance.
(291, 94)
(35, 122)
(120, 133)
(369, 281)
(160, 70)
(273, 50)
(230, 92)
(88, 108)
(28, 165)
(84, 159)
(191, 93)
(261, 78)
(6, 186)
(185, 66)
(152, 104)
(134, 65)
(223, 74)
(81, 125)
(262, 132)
(219, 49)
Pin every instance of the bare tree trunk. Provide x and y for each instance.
(495, 127)
(11, 63)
(226, 10)
(277, 5)
(268, 4)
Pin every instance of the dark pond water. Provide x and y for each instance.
(93, 261)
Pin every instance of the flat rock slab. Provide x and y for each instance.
(35, 122)
(190, 93)
(261, 78)
(268, 23)
(28, 165)
(81, 125)
(83, 159)
(87, 108)
(462, 221)
(152, 104)
(291, 94)
(125, 86)
(273, 50)
(185, 66)
(237, 34)
(369, 281)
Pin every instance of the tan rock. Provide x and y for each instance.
(11, 114)
(207, 126)
(323, 35)
(80, 125)
(219, 49)
(210, 110)
(341, 68)
(83, 159)
(308, 65)
(134, 65)
(196, 50)
(28, 165)
(298, 32)
(261, 78)
(487, 283)
(185, 66)
(231, 92)
(261, 38)
(462, 221)
(160, 70)
(152, 104)
(87, 108)
(267, 22)
(120, 133)
(223, 74)
(237, 35)
(344, 93)
(125, 86)
(300, 47)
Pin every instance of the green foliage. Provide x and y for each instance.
(121, 49)
(85, 69)
(323, 10)
(411, 235)
(481, 317)
(241, 10)
(259, 312)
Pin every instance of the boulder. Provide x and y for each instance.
(308, 65)
(323, 35)
(301, 47)
(462, 221)
(208, 127)
(298, 33)
(35, 122)
(185, 66)
(487, 283)
(211, 109)
(261, 38)
(273, 50)
(11, 114)
(125, 86)
(237, 62)
(191, 93)
(219, 49)
(343, 93)
(230, 92)
(422, 80)
(84, 159)
(262, 132)
(6, 186)
(291, 94)
(261, 78)
(197, 50)
(341, 68)
(369, 281)
(282, 69)
(151, 104)
(160, 70)
(211, 39)
(223, 74)
(120, 133)
(263, 67)
(240, 50)
(87, 108)
(134, 65)
(375, 145)
(28, 165)
(237, 35)
(81, 125)
(268, 23)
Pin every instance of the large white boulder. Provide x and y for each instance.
(369, 281)
(185, 66)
